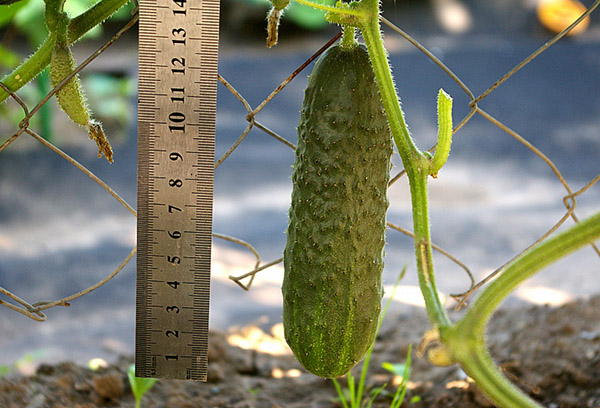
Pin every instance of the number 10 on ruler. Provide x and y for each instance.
(178, 53)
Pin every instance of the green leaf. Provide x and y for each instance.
(307, 17)
(8, 12)
(30, 21)
(139, 385)
(8, 58)
(395, 368)
(109, 96)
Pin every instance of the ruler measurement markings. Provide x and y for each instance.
(175, 140)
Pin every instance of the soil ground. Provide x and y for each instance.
(551, 353)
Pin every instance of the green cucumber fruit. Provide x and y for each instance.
(333, 259)
(70, 97)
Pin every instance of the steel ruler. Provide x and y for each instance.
(178, 54)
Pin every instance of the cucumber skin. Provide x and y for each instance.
(333, 259)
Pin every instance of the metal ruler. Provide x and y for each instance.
(178, 53)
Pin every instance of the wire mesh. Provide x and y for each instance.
(569, 200)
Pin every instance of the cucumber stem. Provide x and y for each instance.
(408, 151)
(349, 38)
(416, 163)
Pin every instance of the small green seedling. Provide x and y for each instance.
(352, 397)
(23, 361)
(139, 386)
(402, 370)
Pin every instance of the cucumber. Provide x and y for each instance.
(333, 258)
(70, 97)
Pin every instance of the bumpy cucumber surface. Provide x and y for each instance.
(333, 258)
(70, 97)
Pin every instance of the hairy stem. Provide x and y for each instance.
(476, 361)
(417, 164)
(39, 60)
(423, 249)
(377, 53)
(349, 38)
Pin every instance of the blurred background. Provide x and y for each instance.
(60, 232)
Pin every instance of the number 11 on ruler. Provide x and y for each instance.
(178, 55)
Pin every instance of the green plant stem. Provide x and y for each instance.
(423, 250)
(411, 156)
(466, 339)
(39, 60)
(479, 365)
(349, 38)
(416, 164)
(92, 17)
(45, 111)
(340, 393)
(29, 69)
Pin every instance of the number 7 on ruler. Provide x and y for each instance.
(178, 55)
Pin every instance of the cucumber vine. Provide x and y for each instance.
(462, 342)
(56, 52)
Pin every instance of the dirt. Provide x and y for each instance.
(553, 354)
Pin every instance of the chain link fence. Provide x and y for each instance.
(571, 194)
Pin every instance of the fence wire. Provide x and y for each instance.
(35, 310)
